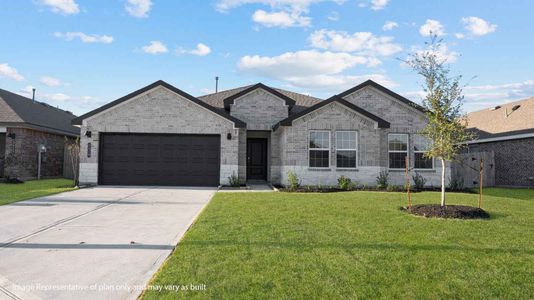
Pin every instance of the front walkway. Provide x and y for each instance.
(96, 243)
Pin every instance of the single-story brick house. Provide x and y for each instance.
(26, 124)
(508, 131)
(160, 135)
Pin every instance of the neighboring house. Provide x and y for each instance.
(160, 135)
(508, 131)
(26, 124)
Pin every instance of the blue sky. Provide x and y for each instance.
(80, 54)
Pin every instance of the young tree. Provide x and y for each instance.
(446, 126)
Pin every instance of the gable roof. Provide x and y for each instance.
(238, 123)
(18, 110)
(384, 90)
(301, 101)
(503, 120)
(230, 99)
(289, 120)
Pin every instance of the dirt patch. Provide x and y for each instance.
(449, 211)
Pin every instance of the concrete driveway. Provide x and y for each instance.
(96, 243)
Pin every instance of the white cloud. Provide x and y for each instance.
(50, 81)
(478, 26)
(300, 63)
(85, 38)
(201, 50)
(485, 96)
(310, 69)
(280, 19)
(285, 13)
(138, 8)
(333, 16)
(365, 42)
(459, 35)
(379, 4)
(432, 27)
(441, 51)
(67, 7)
(155, 47)
(7, 71)
(390, 25)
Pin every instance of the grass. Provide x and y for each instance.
(10, 193)
(353, 245)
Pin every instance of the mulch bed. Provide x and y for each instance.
(449, 211)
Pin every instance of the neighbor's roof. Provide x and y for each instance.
(301, 101)
(503, 120)
(16, 110)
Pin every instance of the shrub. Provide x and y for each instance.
(234, 180)
(382, 180)
(345, 183)
(419, 181)
(293, 180)
(456, 183)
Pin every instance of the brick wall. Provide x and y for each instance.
(514, 161)
(372, 143)
(21, 154)
(159, 111)
(259, 109)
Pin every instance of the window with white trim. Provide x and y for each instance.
(421, 145)
(397, 150)
(319, 149)
(346, 149)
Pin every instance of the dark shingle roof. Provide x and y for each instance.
(16, 109)
(503, 120)
(301, 101)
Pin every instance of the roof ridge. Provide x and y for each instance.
(228, 90)
(531, 98)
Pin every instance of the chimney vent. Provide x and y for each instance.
(216, 84)
(33, 94)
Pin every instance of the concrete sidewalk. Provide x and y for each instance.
(98, 243)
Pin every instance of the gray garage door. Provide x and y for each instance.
(159, 159)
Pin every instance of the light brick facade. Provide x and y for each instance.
(158, 111)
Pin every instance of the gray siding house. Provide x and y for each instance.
(160, 135)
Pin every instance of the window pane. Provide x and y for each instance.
(397, 160)
(346, 139)
(346, 159)
(398, 142)
(319, 139)
(319, 158)
(421, 143)
(422, 162)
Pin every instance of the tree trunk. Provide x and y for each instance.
(442, 182)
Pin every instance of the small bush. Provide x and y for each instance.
(344, 183)
(293, 180)
(456, 183)
(419, 181)
(382, 180)
(234, 180)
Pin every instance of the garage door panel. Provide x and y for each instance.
(155, 159)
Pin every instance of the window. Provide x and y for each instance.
(319, 149)
(421, 144)
(346, 147)
(398, 150)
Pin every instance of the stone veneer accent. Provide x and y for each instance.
(159, 111)
(21, 154)
(514, 161)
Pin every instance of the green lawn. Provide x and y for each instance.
(10, 193)
(353, 245)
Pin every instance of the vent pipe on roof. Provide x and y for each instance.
(216, 84)
(33, 96)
